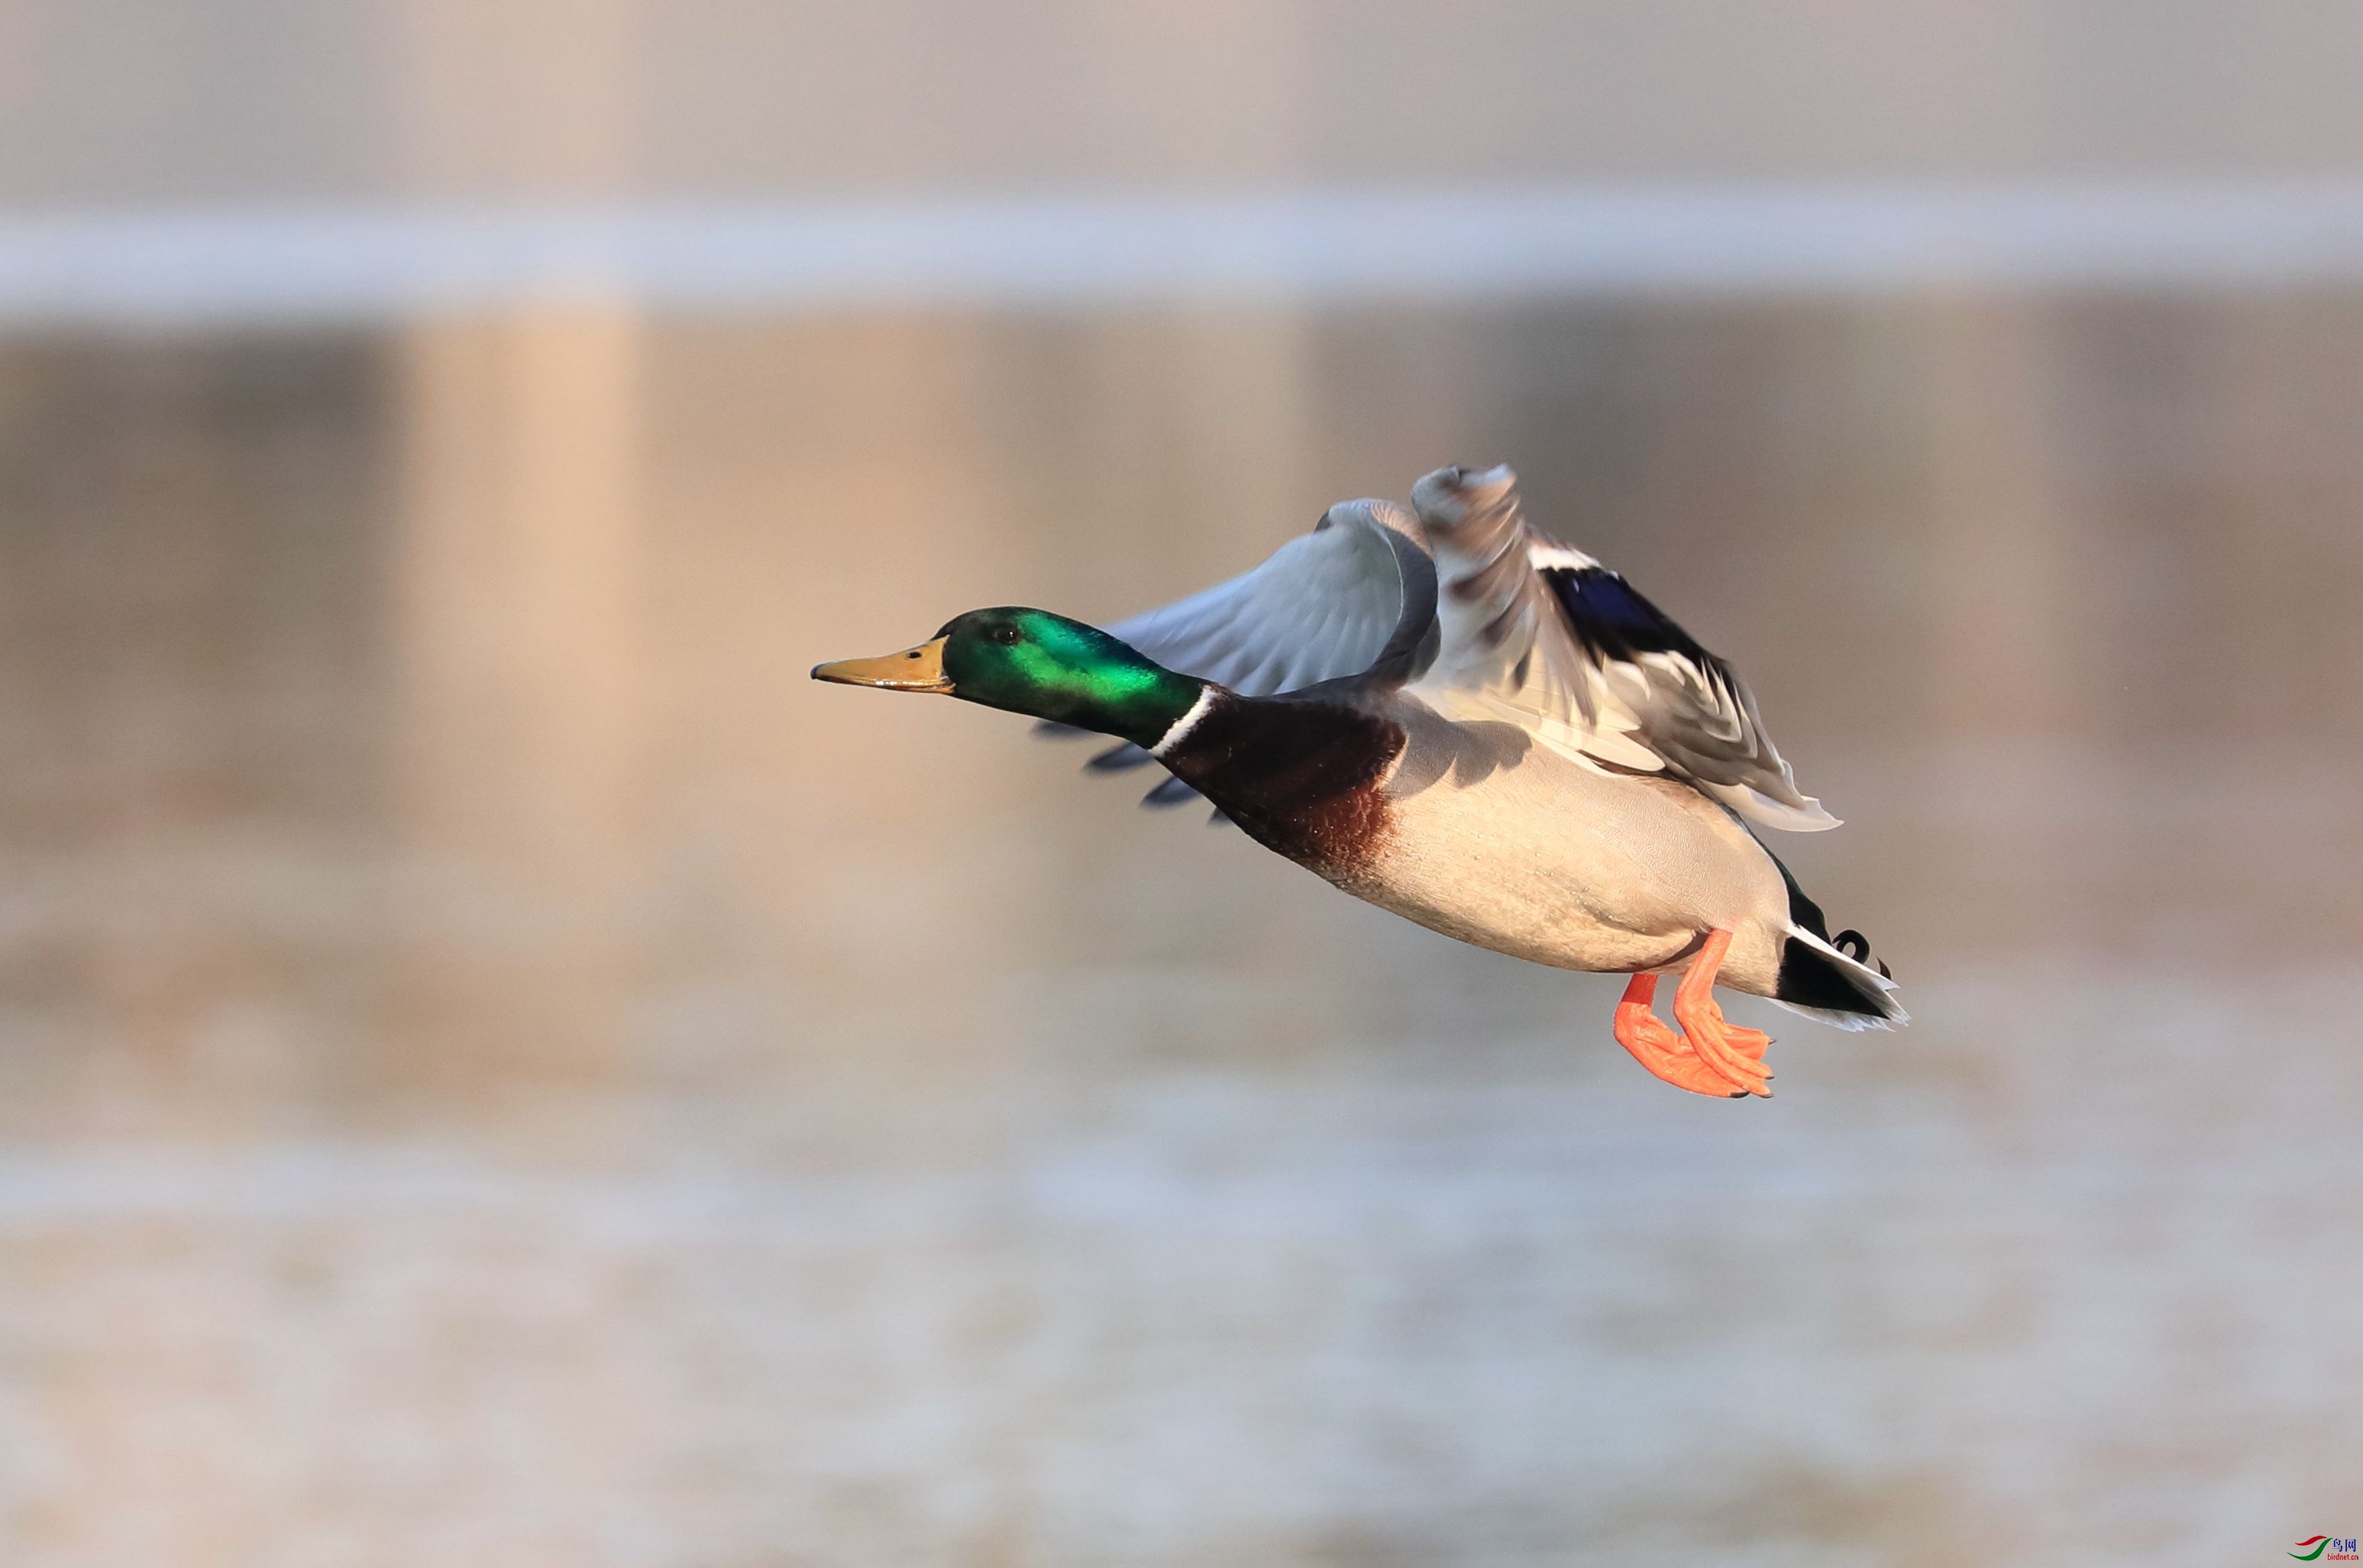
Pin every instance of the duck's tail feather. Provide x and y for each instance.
(1817, 977)
(1831, 978)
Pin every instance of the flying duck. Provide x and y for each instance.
(1449, 715)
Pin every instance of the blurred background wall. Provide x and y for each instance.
(467, 1093)
(152, 101)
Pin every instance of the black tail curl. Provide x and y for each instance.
(1811, 979)
(1857, 946)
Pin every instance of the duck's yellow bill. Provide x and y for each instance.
(919, 668)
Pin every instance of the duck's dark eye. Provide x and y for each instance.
(1004, 635)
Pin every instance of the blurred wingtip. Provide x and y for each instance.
(1447, 496)
(1171, 791)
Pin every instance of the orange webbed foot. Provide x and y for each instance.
(1665, 1053)
(1734, 1052)
(1750, 1043)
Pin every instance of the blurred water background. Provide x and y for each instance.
(498, 1068)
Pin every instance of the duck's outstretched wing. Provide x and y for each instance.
(1357, 592)
(1355, 596)
(1543, 635)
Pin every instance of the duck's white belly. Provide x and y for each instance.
(1551, 862)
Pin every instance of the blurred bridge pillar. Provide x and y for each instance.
(521, 663)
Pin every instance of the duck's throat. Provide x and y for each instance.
(1143, 707)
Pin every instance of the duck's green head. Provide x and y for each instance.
(1035, 662)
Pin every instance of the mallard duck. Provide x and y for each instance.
(1457, 719)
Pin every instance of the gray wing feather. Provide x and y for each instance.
(1336, 601)
(1545, 634)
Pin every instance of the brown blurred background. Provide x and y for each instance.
(499, 1069)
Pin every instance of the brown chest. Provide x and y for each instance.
(1302, 777)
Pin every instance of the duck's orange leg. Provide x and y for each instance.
(1734, 1052)
(1661, 1050)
